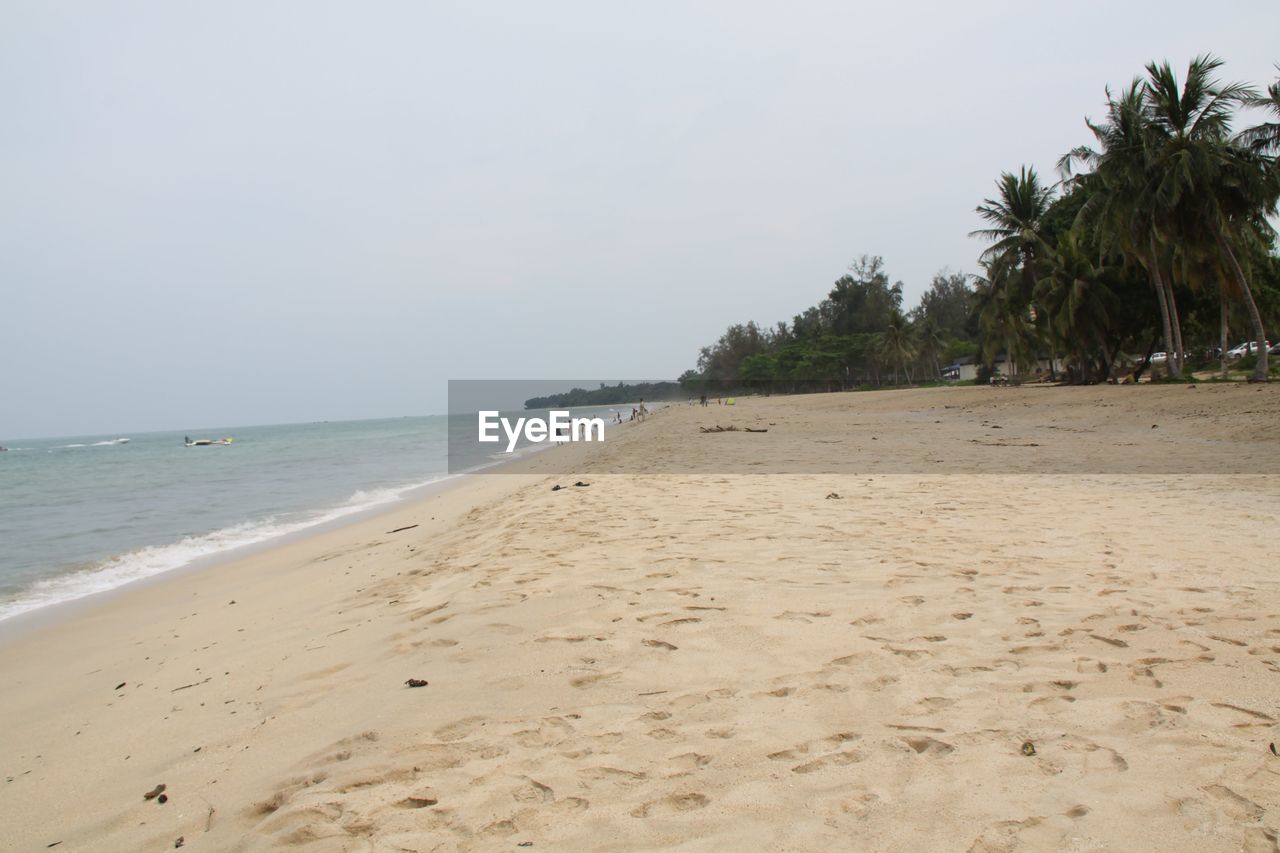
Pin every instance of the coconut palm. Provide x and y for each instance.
(1265, 138)
(932, 341)
(897, 343)
(1122, 205)
(1003, 315)
(1073, 292)
(1207, 188)
(1016, 219)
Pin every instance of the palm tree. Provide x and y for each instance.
(1016, 219)
(897, 343)
(1074, 294)
(1121, 208)
(932, 342)
(1265, 138)
(1003, 315)
(1208, 189)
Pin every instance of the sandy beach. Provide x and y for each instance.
(951, 619)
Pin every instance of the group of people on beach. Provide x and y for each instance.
(638, 413)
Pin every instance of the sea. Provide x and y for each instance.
(87, 514)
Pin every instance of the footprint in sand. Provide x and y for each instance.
(593, 678)
(689, 761)
(835, 759)
(928, 746)
(459, 729)
(533, 791)
(614, 774)
(673, 804)
(420, 799)
(802, 616)
(659, 644)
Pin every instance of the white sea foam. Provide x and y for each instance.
(157, 559)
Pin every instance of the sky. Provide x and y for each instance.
(244, 212)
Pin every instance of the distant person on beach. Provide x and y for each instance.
(704, 399)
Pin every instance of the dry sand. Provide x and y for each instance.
(714, 660)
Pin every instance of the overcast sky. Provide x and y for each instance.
(244, 212)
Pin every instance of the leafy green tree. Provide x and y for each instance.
(946, 304)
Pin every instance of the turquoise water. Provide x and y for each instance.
(87, 514)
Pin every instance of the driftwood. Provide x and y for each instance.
(192, 684)
(398, 529)
(729, 429)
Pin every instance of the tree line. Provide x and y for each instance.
(1156, 234)
(607, 395)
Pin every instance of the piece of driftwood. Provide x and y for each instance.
(718, 428)
(192, 684)
(398, 529)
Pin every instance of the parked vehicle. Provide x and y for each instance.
(1246, 348)
(1159, 357)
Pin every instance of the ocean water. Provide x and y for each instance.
(87, 514)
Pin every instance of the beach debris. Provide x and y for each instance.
(557, 487)
(1028, 748)
(581, 484)
(399, 529)
(194, 683)
(162, 799)
(121, 684)
(718, 428)
(525, 844)
(179, 841)
(1155, 426)
(749, 429)
(834, 496)
(154, 792)
(416, 682)
(1273, 750)
(54, 844)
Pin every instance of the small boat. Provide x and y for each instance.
(207, 442)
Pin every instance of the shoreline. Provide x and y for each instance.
(51, 612)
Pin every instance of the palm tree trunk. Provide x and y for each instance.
(1162, 296)
(1176, 324)
(1259, 333)
(1222, 318)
